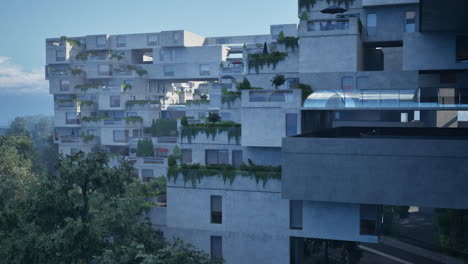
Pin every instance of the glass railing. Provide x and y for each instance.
(328, 25)
(395, 98)
(271, 96)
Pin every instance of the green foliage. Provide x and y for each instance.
(85, 102)
(184, 121)
(86, 87)
(289, 42)
(213, 117)
(82, 56)
(359, 25)
(114, 56)
(133, 119)
(163, 128)
(71, 41)
(75, 71)
(452, 229)
(197, 102)
(281, 35)
(244, 85)
(278, 80)
(304, 16)
(141, 72)
(308, 4)
(19, 126)
(343, 252)
(229, 97)
(94, 119)
(258, 60)
(194, 173)
(126, 86)
(306, 90)
(145, 148)
(87, 138)
(212, 129)
(204, 97)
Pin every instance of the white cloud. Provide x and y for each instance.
(14, 80)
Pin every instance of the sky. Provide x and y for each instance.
(25, 24)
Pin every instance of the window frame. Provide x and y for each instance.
(216, 216)
(119, 43)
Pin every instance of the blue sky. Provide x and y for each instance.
(24, 25)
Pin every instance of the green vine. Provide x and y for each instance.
(133, 119)
(212, 129)
(94, 119)
(229, 97)
(197, 102)
(126, 86)
(75, 71)
(194, 173)
(72, 42)
(289, 42)
(259, 60)
(308, 4)
(86, 87)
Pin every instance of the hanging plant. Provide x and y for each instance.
(126, 86)
(86, 87)
(259, 60)
(289, 42)
(72, 42)
(229, 97)
(141, 72)
(212, 130)
(75, 71)
(85, 102)
(82, 56)
(133, 119)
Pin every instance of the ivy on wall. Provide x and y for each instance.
(229, 97)
(190, 131)
(194, 173)
(289, 42)
(258, 60)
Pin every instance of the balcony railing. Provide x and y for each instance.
(167, 139)
(113, 122)
(328, 25)
(232, 70)
(153, 160)
(271, 96)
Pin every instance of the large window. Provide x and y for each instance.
(216, 247)
(147, 174)
(291, 125)
(371, 24)
(168, 70)
(205, 69)
(101, 41)
(121, 41)
(410, 21)
(295, 214)
(104, 69)
(121, 136)
(114, 100)
(215, 157)
(64, 85)
(216, 209)
(186, 155)
(72, 118)
(153, 39)
(60, 55)
(369, 215)
(237, 158)
(462, 48)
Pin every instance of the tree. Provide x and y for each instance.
(306, 90)
(278, 80)
(452, 228)
(244, 85)
(281, 35)
(213, 117)
(19, 126)
(89, 212)
(345, 252)
(184, 121)
(145, 148)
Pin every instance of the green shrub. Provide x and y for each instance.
(145, 148)
(164, 128)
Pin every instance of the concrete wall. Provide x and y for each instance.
(430, 51)
(376, 171)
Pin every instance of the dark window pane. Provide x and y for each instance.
(428, 95)
(211, 157)
(216, 247)
(291, 125)
(223, 157)
(216, 209)
(295, 214)
(236, 158)
(186, 155)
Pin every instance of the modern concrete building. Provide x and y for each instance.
(384, 125)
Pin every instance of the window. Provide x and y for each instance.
(101, 41)
(104, 69)
(121, 136)
(447, 96)
(205, 69)
(114, 100)
(72, 118)
(295, 214)
(129, 114)
(237, 158)
(371, 24)
(64, 85)
(214, 157)
(168, 70)
(216, 209)
(404, 117)
(327, 25)
(216, 247)
(410, 21)
(347, 83)
(167, 54)
(186, 155)
(137, 133)
(369, 214)
(291, 125)
(448, 77)
(417, 115)
(121, 41)
(147, 174)
(462, 48)
(60, 55)
(428, 95)
(153, 39)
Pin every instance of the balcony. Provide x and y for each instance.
(195, 134)
(57, 71)
(328, 25)
(324, 27)
(264, 98)
(232, 70)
